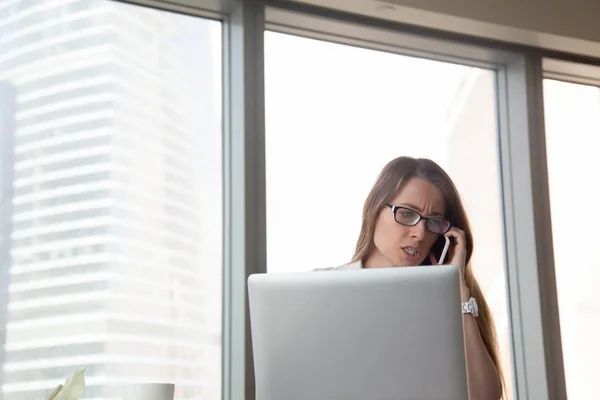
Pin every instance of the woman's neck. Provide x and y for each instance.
(376, 260)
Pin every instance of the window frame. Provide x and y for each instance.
(573, 72)
(520, 70)
(245, 242)
(528, 275)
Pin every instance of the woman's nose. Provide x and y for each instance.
(418, 231)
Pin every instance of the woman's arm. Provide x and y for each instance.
(482, 376)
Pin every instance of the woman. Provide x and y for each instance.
(413, 203)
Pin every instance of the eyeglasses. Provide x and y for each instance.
(408, 217)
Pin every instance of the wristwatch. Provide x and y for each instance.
(470, 307)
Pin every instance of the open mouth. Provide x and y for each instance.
(410, 253)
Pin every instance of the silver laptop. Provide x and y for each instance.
(392, 333)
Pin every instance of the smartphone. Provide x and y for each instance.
(440, 248)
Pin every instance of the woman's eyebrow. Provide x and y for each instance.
(420, 210)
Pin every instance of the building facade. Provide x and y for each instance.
(108, 263)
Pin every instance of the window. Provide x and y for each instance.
(115, 185)
(336, 114)
(111, 199)
(572, 136)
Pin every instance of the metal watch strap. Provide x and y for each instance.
(470, 307)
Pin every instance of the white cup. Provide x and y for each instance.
(149, 391)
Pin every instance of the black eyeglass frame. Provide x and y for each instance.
(421, 217)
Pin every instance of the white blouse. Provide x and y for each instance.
(354, 265)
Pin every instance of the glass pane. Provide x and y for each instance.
(110, 177)
(335, 115)
(573, 139)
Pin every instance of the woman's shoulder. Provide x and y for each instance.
(352, 265)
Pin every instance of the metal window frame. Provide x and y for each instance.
(244, 189)
(533, 298)
(210, 9)
(568, 71)
(535, 328)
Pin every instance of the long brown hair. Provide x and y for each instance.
(395, 174)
